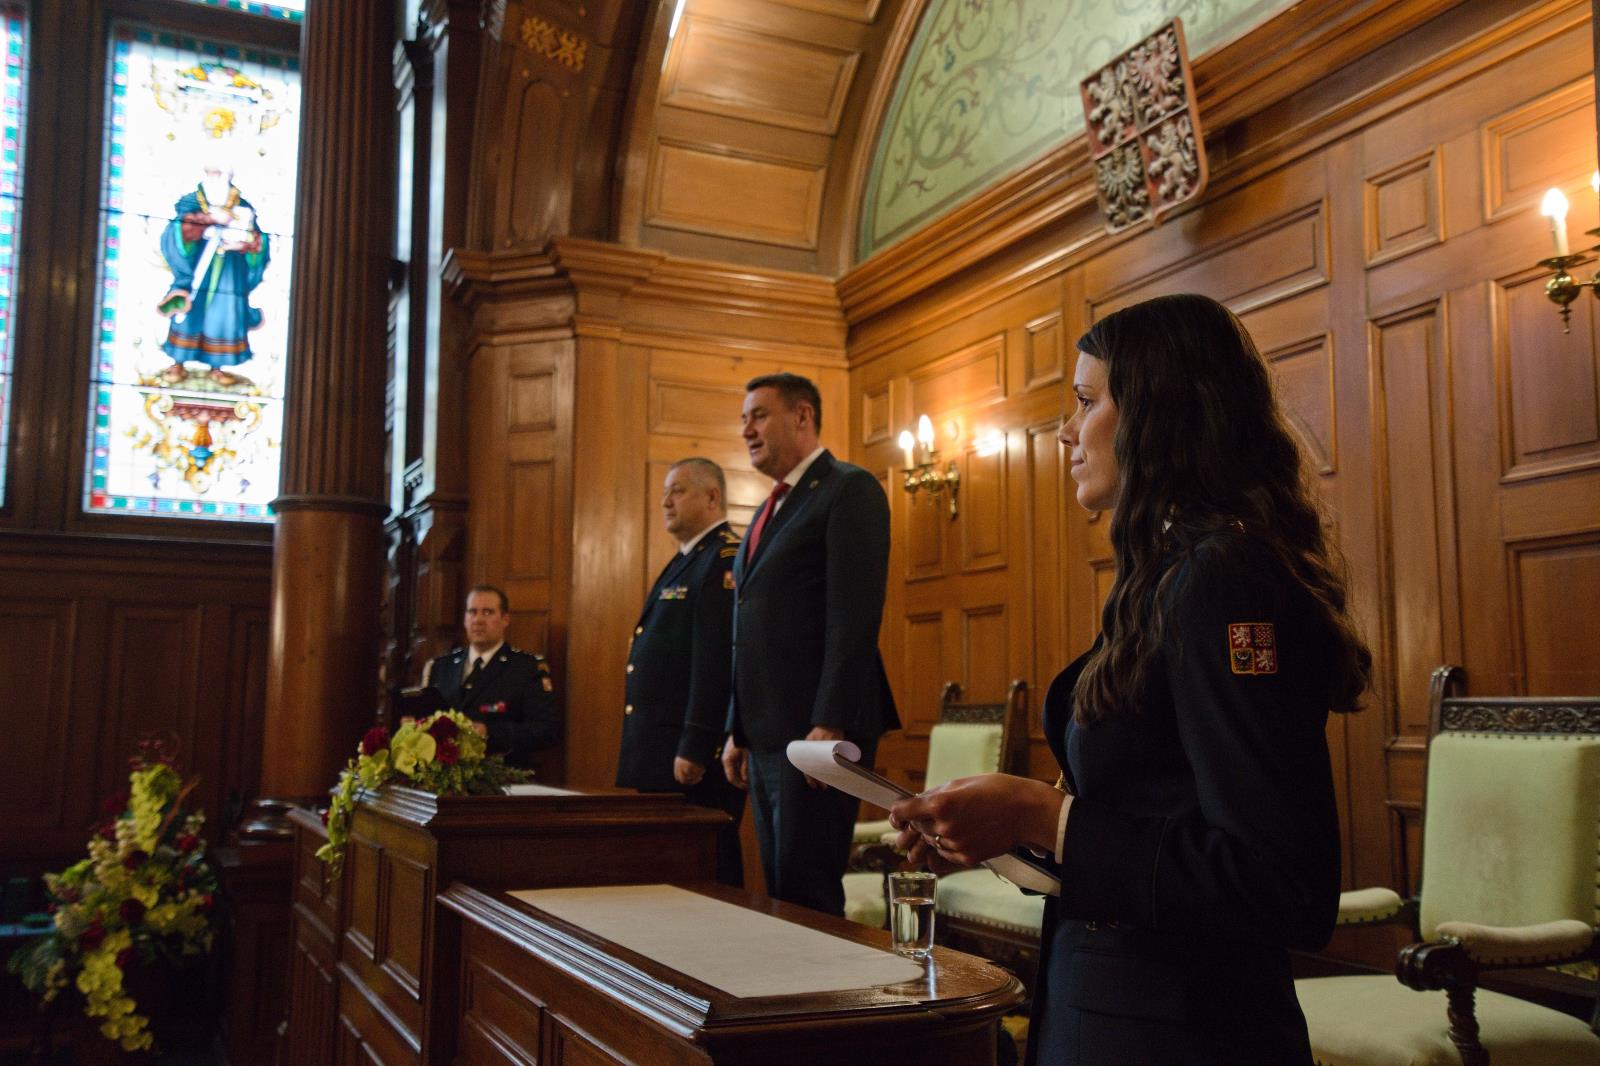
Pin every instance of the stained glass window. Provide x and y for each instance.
(186, 403)
(13, 103)
(292, 10)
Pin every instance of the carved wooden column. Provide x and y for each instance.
(328, 551)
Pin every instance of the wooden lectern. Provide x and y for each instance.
(394, 975)
(535, 990)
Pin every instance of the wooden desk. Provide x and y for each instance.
(395, 973)
(533, 989)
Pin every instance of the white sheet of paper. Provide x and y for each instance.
(836, 764)
(743, 952)
(531, 789)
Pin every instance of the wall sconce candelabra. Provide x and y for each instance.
(1564, 288)
(922, 471)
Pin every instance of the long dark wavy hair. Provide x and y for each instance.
(1201, 448)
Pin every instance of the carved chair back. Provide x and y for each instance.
(1011, 715)
(1511, 814)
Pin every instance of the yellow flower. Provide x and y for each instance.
(412, 749)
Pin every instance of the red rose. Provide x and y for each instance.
(447, 753)
(91, 937)
(443, 729)
(114, 804)
(187, 842)
(124, 957)
(132, 911)
(108, 832)
(376, 740)
(135, 859)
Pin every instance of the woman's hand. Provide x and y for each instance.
(972, 819)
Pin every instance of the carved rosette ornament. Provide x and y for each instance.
(1144, 130)
(1553, 717)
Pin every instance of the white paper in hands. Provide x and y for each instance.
(835, 763)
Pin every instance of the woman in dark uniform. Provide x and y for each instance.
(1194, 829)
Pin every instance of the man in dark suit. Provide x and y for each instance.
(810, 580)
(506, 692)
(680, 660)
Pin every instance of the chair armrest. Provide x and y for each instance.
(1450, 963)
(1373, 906)
(1546, 944)
(875, 858)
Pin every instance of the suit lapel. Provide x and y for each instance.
(794, 503)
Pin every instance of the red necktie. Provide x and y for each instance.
(778, 492)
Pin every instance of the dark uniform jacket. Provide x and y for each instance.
(679, 666)
(513, 697)
(1203, 841)
(807, 610)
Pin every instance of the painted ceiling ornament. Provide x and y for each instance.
(1144, 130)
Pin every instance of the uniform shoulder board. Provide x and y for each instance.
(729, 552)
(730, 537)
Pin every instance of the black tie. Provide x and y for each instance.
(472, 675)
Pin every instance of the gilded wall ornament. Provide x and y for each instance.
(561, 46)
(1144, 130)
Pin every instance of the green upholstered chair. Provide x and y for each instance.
(1511, 830)
(985, 915)
(968, 738)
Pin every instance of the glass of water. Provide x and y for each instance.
(912, 897)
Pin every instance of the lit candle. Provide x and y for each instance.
(1555, 208)
(906, 444)
(925, 433)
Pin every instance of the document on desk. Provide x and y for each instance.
(741, 951)
(837, 763)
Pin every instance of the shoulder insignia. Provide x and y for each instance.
(813, 483)
(544, 679)
(1253, 647)
(727, 579)
(538, 661)
(730, 536)
(729, 552)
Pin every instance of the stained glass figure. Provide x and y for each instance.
(191, 357)
(291, 10)
(13, 106)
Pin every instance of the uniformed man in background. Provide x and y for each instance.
(506, 691)
(680, 660)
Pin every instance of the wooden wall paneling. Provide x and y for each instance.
(1545, 141)
(704, 191)
(1253, 257)
(1358, 743)
(729, 69)
(1547, 578)
(1048, 495)
(985, 513)
(613, 392)
(150, 647)
(246, 691)
(924, 670)
(1403, 207)
(37, 659)
(1045, 358)
(985, 652)
(1549, 412)
(1411, 372)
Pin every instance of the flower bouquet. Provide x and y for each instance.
(142, 898)
(442, 753)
